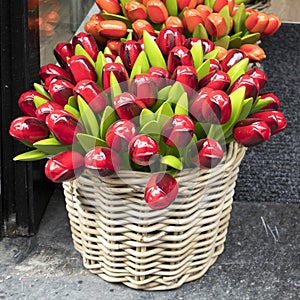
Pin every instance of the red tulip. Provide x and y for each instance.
(160, 76)
(174, 22)
(62, 52)
(91, 92)
(45, 109)
(253, 52)
(249, 83)
(209, 153)
(129, 52)
(256, 22)
(259, 77)
(251, 132)
(119, 72)
(273, 25)
(112, 29)
(52, 70)
(139, 26)
(114, 46)
(110, 58)
(93, 27)
(135, 11)
(179, 56)
(61, 90)
(186, 3)
(215, 25)
(274, 103)
(217, 80)
(88, 42)
(50, 79)
(110, 6)
(191, 19)
(102, 161)
(187, 76)
(64, 166)
(28, 129)
(219, 4)
(64, 126)
(157, 11)
(161, 191)
(232, 57)
(204, 11)
(214, 65)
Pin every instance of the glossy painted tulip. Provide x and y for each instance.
(273, 118)
(62, 52)
(114, 46)
(129, 51)
(259, 77)
(52, 70)
(179, 56)
(91, 92)
(144, 88)
(209, 153)
(157, 11)
(249, 83)
(256, 22)
(139, 26)
(187, 76)
(215, 25)
(110, 6)
(119, 72)
(45, 109)
(178, 131)
(26, 102)
(219, 4)
(217, 80)
(160, 76)
(61, 90)
(191, 19)
(93, 27)
(88, 42)
(119, 134)
(50, 79)
(64, 126)
(102, 161)
(186, 3)
(135, 11)
(273, 25)
(207, 45)
(112, 29)
(204, 10)
(143, 150)
(251, 132)
(232, 57)
(168, 38)
(64, 166)
(110, 58)
(253, 52)
(28, 129)
(127, 106)
(174, 22)
(214, 65)
(274, 101)
(222, 53)
(161, 191)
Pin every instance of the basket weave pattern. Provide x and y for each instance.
(122, 240)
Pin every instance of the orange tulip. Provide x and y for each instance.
(273, 25)
(186, 3)
(191, 19)
(215, 25)
(110, 6)
(219, 4)
(204, 10)
(112, 29)
(257, 22)
(139, 26)
(254, 52)
(96, 17)
(135, 10)
(174, 22)
(93, 27)
(222, 53)
(157, 11)
(114, 46)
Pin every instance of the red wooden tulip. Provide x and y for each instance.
(114, 46)
(209, 153)
(191, 19)
(112, 29)
(186, 3)
(161, 191)
(64, 126)
(102, 161)
(217, 80)
(157, 11)
(50, 79)
(110, 58)
(274, 103)
(187, 76)
(118, 70)
(215, 25)
(45, 109)
(273, 25)
(254, 52)
(28, 129)
(232, 57)
(135, 11)
(179, 56)
(64, 166)
(219, 4)
(91, 92)
(88, 42)
(52, 70)
(110, 6)
(62, 52)
(214, 65)
(257, 21)
(129, 52)
(259, 77)
(249, 83)
(160, 76)
(93, 27)
(251, 132)
(119, 134)
(139, 26)
(61, 90)
(177, 132)
(204, 10)
(174, 22)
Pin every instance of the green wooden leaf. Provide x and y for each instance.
(51, 146)
(141, 65)
(73, 102)
(199, 130)
(226, 15)
(182, 106)
(200, 32)
(223, 41)
(235, 43)
(39, 101)
(100, 62)
(114, 86)
(261, 103)
(164, 92)
(152, 129)
(239, 19)
(119, 60)
(146, 116)
(175, 93)
(250, 38)
(247, 105)
(235, 35)
(237, 70)
(197, 54)
(109, 116)
(88, 141)
(72, 110)
(40, 89)
(108, 16)
(212, 54)
(164, 113)
(79, 50)
(209, 3)
(88, 117)
(31, 156)
(172, 161)
(203, 69)
(153, 52)
(107, 51)
(216, 132)
(172, 8)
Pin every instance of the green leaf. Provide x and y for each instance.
(151, 128)
(209, 3)
(212, 54)
(109, 116)
(203, 69)
(146, 116)
(172, 8)
(247, 105)
(72, 110)
(39, 101)
(199, 131)
(88, 117)
(251, 38)
(88, 141)
(200, 32)
(172, 161)
(114, 86)
(100, 62)
(238, 34)
(226, 15)
(31, 156)
(261, 103)
(40, 89)
(79, 50)
(216, 132)
(141, 65)
(119, 60)
(237, 70)
(108, 16)
(235, 43)
(107, 51)
(175, 93)
(182, 106)
(223, 41)
(239, 19)
(51, 146)
(162, 96)
(153, 52)
(164, 113)
(73, 102)
(197, 54)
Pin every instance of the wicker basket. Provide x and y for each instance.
(122, 240)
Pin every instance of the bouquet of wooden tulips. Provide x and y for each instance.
(152, 96)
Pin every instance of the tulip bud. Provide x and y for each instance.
(109, 58)
(110, 6)
(62, 52)
(26, 102)
(232, 57)
(50, 70)
(253, 52)
(81, 68)
(119, 134)
(61, 90)
(186, 3)
(273, 118)
(187, 76)
(214, 65)
(256, 22)
(28, 129)
(259, 77)
(273, 25)
(119, 72)
(96, 17)
(219, 4)
(160, 76)
(275, 102)
(161, 191)
(249, 83)
(135, 11)
(88, 42)
(93, 27)
(169, 38)
(129, 51)
(204, 11)
(102, 161)
(215, 25)
(251, 132)
(222, 53)
(50, 79)
(144, 88)
(209, 153)
(174, 22)
(114, 46)
(217, 80)
(45, 109)
(157, 11)
(91, 92)
(178, 131)
(127, 106)
(139, 26)
(112, 29)
(179, 56)
(64, 126)
(64, 166)
(191, 19)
